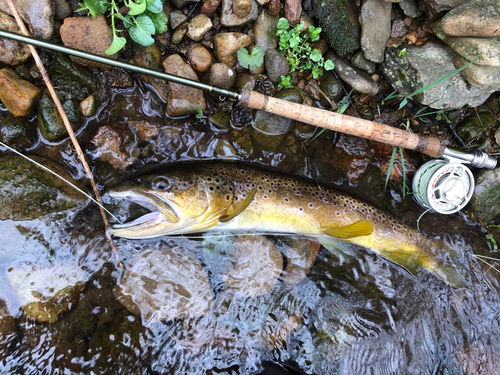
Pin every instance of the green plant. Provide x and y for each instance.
(402, 52)
(199, 113)
(144, 18)
(297, 50)
(252, 60)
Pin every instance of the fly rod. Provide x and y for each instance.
(444, 186)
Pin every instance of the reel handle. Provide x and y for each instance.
(345, 124)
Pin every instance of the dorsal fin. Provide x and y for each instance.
(360, 228)
(232, 212)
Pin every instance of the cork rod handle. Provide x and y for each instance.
(345, 124)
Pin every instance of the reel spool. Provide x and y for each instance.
(443, 186)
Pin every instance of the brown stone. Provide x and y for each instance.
(19, 96)
(475, 18)
(242, 8)
(227, 46)
(88, 106)
(12, 52)
(293, 9)
(209, 7)
(274, 7)
(116, 144)
(182, 100)
(89, 34)
(199, 57)
(37, 14)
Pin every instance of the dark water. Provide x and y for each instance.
(350, 315)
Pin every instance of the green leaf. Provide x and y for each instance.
(329, 65)
(391, 165)
(155, 6)
(285, 81)
(136, 8)
(118, 43)
(316, 72)
(142, 30)
(199, 112)
(403, 102)
(283, 24)
(96, 6)
(160, 21)
(252, 60)
(316, 55)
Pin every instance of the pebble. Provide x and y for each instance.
(49, 120)
(293, 10)
(89, 34)
(357, 79)
(198, 27)
(150, 57)
(226, 46)
(230, 19)
(62, 9)
(332, 88)
(116, 144)
(497, 137)
(264, 31)
(12, 52)
(222, 75)
(410, 8)
(182, 100)
(179, 33)
(375, 29)
(37, 14)
(359, 61)
(276, 65)
(88, 106)
(209, 7)
(176, 19)
(17, 130)
(480, 18)
(274, 7)
(199, 57)
(18, 95)
(398, 29)
(242, 8)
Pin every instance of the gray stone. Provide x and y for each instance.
(198, 26)
(331, 87)
(474, 18)
(485, 50)
(230, 19)
(486, 192)
(423, 65)
(12, 52)
(264, 31)
(398, 29)
(276, 65)
(355, 78)
(359, 61)
(165, 283)
(27, 192)
(38, 15)
(437, 6)
(410, 8)
(176, 19)
(222, 75)
(479, 76)
(375, 29)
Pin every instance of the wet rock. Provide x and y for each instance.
(88, 106)
(89, 34)
(274, 7)
(74, 80)
(225, 150)
(352, 155)
(49, 120)
(268, 131)
(300, 254)
(361, 62)
(292, 12)
(144, 130)
(486, 192)
(37, 14)
(475, 125)
(46, 289)
(230, 19)
(276, 65)
(199, 57)
(62, 9)
(7, 329)
(226, 46)
(339, 21)
(422, 65)
(116, 144)
(243, 145)
(209, 7)
(179, 33)
(220, 120)
(375, 28)
(12, 52)
(332, 88)
(477, 75)
(182, 100)
(28, 192)
(355, 78)
(242, 8)
(476, 18)
(264, 31)
(164, 283)
(17, 130)
(150, 57)
(179, 4)
(19, 96)
(222, 75)
(250, 265)
(410, 8)
(176, 19)
(198, 26)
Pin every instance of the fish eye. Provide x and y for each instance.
(160, 184)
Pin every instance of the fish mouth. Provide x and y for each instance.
(164, 218)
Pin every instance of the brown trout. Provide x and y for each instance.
(225, 197)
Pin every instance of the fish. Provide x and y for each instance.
(201, 198)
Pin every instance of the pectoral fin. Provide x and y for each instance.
(233, 211)
(360, 228)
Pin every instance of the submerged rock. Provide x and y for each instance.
(12, 52)
(28, 192)
(150, 57)
(17, 130)
(116, 144)
(7, 329)
(475, 125)
(165, 283)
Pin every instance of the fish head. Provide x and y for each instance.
(182, 200)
